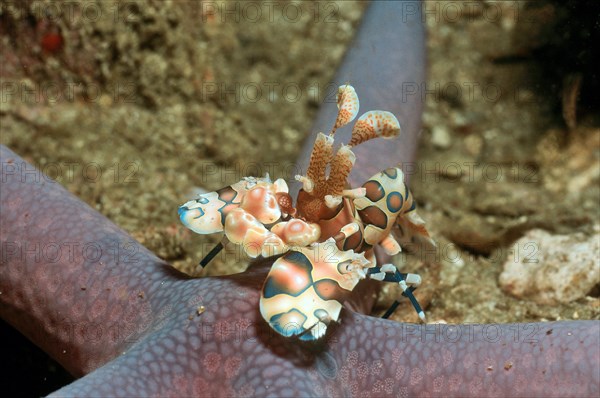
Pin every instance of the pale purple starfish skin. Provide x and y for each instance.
(146, 336)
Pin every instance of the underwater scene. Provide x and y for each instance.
(300, 198)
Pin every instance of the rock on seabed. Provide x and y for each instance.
(550, 269)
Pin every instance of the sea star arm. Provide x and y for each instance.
(228, 351)
(72, 281)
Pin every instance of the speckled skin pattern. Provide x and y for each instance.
(112, 311)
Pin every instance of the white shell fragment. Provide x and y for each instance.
(550, 269)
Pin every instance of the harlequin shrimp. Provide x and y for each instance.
(326, 241)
